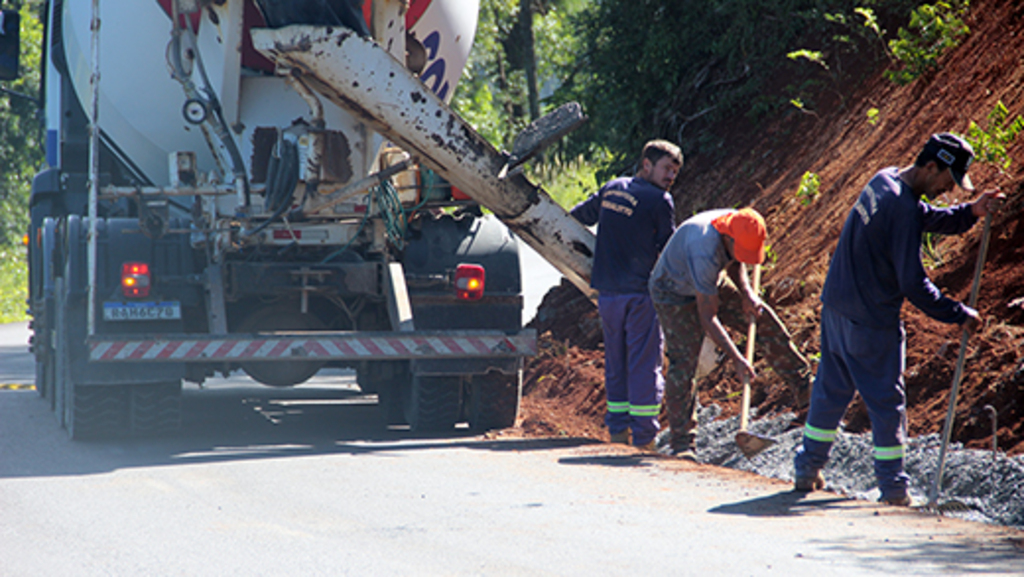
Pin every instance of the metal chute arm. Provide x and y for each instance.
(358, 75)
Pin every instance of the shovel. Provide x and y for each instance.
(749, 443)
(947, 429)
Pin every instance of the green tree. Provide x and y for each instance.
(665, 68)
(21, 154)
(991, 143)
(514, 76)
(683, 69)
(21, 149)
(933, 29)
(520, 56)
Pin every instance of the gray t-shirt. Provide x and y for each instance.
(691, 262)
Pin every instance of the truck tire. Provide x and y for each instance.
(44, 377)
(154, 409)
(95, 412)
(85, 412)
(42, 347)
(281, 317)
(57, 392)
(42, 254)
(494, 400)
(433, 403)
(390, 381)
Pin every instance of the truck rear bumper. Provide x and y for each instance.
(344, 346)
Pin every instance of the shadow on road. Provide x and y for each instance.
(782, 504)
(957, 555)
(637, 460)
(229, 423)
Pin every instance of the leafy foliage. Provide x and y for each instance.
(870, 21)
(21, 150)
(933, 29)
(932, 256)
(809, 189)
(568, 182)
(485, 92)
(492, 94)
(13, 283)
(21, 153)
(990, 143)
(811, 55)
(677, 69)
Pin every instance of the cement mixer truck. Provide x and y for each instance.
(276, 187)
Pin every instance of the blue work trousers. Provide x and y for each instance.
(633, 380)
(855, 358)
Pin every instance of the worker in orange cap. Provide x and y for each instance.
(692, 299)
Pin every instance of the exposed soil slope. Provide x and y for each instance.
(563, 392)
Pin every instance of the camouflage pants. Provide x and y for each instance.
(683, 338)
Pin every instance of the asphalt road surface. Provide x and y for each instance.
(304, 481)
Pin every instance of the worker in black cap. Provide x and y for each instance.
(876, 265)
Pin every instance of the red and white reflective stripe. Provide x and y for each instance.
(320, 348)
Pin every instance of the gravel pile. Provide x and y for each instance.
(978, 485)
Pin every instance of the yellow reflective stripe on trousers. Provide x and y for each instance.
(644, 410)
(822, 435)
(617, 407)
(889, 453)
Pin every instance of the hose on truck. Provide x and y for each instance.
(282, 177)
(385, 196)
(392, 213)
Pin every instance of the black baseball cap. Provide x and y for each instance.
(953, 152)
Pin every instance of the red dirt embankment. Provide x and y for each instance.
(563, 390)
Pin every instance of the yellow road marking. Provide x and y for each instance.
(16, 387)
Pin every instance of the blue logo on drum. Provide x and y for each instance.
(436, 66)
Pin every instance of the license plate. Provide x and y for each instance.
(142, 311)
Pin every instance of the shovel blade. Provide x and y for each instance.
(751, 444)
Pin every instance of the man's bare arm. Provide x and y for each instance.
(707, 310)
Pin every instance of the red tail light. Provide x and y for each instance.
(135, 279)
(469, 282)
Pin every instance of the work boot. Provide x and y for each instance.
(622, 437)
(684, 454)
(687, 455)
(650, 446)
(896, 500)
(809, 483)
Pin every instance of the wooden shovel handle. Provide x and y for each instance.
(947, 427)
(751, 336)
(752, 329)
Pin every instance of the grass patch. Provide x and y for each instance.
(567, 182)
(13, 283)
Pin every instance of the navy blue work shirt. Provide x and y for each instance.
(634, 221)
(877, 262)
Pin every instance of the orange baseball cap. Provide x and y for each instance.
(747, 230)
